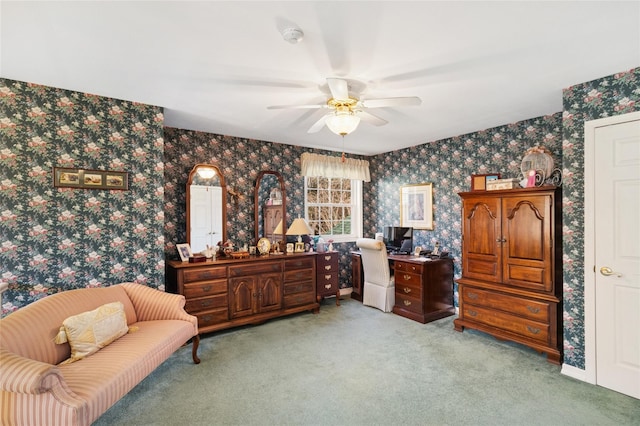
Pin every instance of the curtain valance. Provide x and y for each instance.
(335, 167)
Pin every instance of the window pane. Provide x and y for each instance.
(346, 184)
(312, 213)
(323, 183)
(323, 196)
(336, 197)
(336, 183)
(346, 197)
(312, 182)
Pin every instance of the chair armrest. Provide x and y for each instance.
(151, 304)
(27, 376)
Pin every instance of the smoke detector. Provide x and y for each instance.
(292, 35)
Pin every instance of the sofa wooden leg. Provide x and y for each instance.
(194, 353)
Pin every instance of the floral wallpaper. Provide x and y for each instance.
(608, 96)
(56, 239)
(54, 229)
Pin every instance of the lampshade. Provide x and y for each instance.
(299, 227)
(206, 172)
(343, 122)
(278, 230)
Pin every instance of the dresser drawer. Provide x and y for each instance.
(299, 263)
(297, 299)
(404, 301)
(254, 269)
(299, 287)
(206, 288)
(325, 259)
(214, 316)
(206, 303)
(298, 274)
(525, 327)
(414, 268)
(409, 289)
(533, 309)
(204, 274)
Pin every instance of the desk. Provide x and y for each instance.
(424, 288)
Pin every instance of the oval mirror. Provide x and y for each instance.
(206, 207)
(270, 206)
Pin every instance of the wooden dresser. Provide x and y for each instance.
(327, 278)
(511, 267)
(230, 292)
(424, 289)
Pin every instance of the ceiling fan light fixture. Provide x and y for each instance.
(206, 172)
(342, 122)
(292, 35)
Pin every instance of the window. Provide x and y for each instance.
(333, 207)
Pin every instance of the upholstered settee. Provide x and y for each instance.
(37, 386)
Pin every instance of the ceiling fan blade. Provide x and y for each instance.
(339, 88)
(370, 118)
(297, 106)
(391, 102)
(318, 124)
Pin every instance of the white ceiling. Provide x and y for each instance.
(215, 66)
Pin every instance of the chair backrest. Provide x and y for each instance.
(375, 263)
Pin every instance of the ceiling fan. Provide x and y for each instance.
(346, 111)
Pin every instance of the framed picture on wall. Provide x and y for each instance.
(85, 178)
(416, 205)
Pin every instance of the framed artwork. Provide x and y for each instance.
(416, 206)
(184, 250)
(87, 178)
(479, 182)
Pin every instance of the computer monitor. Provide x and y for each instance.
(398, 238)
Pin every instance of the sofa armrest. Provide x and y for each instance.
(151, 304)
(27, 376)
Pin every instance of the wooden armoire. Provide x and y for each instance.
(511, 284)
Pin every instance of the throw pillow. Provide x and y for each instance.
(91, 331)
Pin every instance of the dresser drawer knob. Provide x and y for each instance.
(205, 303)
(327, 277)
(406, 277)
(327, 258)
(327, 267)
(206, 288)
(406, 290)
(472, 296)
(327, 286)
(533, 309)
(407, 302)
(473, 313)
(533, 330)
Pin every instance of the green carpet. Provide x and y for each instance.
(355, 365)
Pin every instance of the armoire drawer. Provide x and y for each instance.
(534, 309)
(525, 327)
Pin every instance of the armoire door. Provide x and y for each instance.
(482, 239)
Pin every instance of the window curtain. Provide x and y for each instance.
(334, 167)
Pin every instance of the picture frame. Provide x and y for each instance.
(479, 182)
(417, 251)
(416, 205)
(184, 250)
(65, 177)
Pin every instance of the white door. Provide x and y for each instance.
(617, 256)
(206, 219)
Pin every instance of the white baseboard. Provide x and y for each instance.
(575, 372)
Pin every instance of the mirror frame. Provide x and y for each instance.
(258, 206)
(223, 185)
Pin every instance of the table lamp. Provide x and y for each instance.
(299, 227)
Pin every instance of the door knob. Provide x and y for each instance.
(606, 271)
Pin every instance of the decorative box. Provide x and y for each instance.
(495, 184)
(197, 258)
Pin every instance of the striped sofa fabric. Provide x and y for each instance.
(35, 390)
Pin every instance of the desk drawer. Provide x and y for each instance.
(533, 309)
(525, 327)
(204, 274)
(404, 301)
(405, 278)
(414, 268)
(409, 289)
(206, 288)
(206, 303)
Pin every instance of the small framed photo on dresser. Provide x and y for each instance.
(479, 182)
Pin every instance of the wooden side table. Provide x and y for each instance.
(327, 276)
